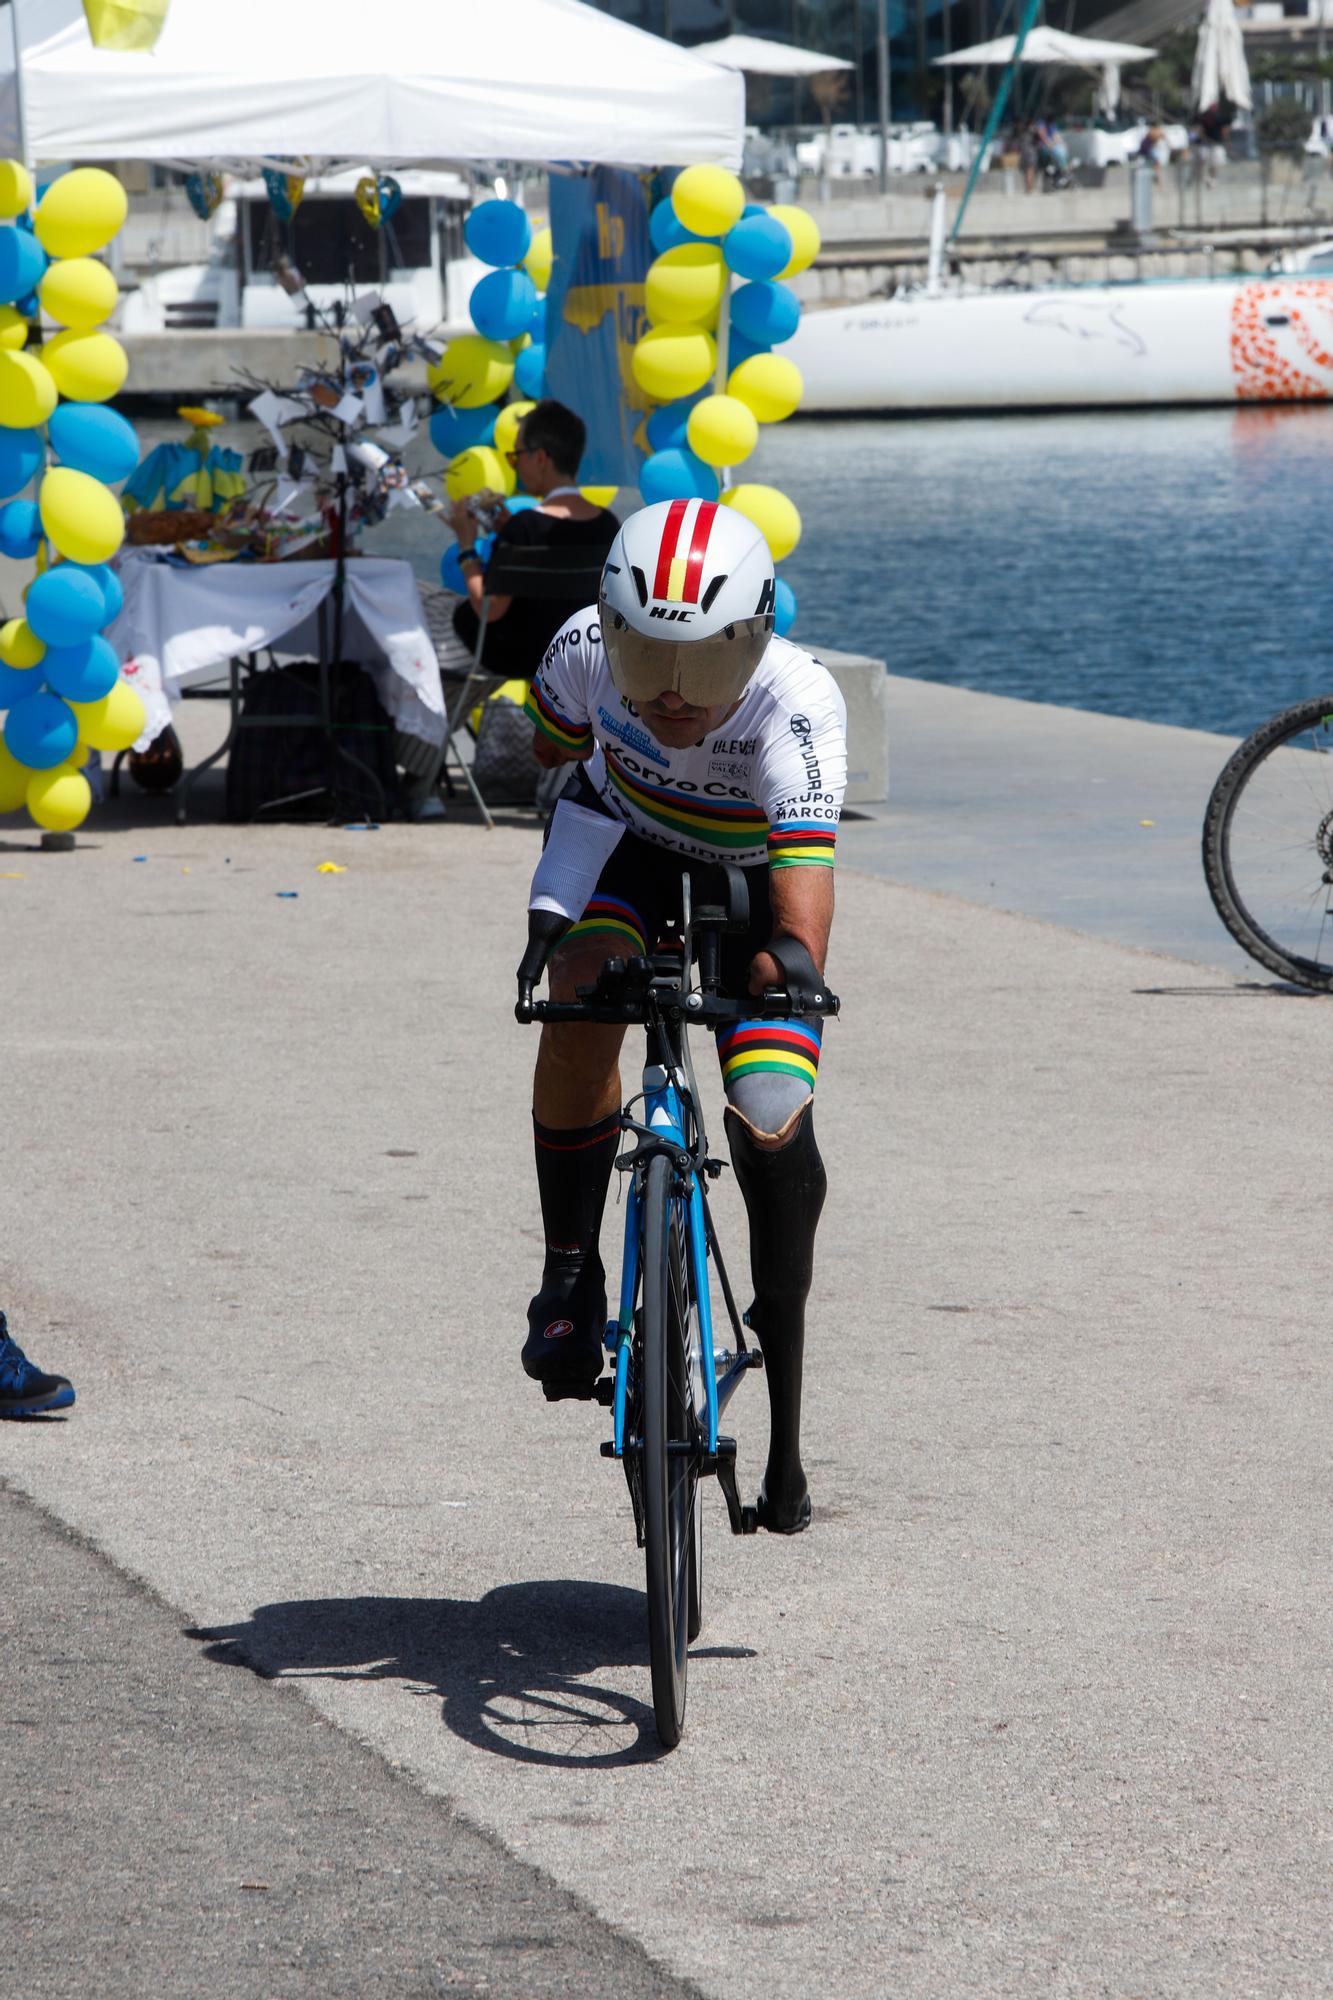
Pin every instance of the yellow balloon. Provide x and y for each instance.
(684, 286)
(87, 367)
(15, 189)
(518, 343)
(804, 232)
(13, 329)
(19, 645)
(721, 430)
(599, 496)
(537, 263)
(673, 361)
(59, 800)
(78, 292)
(80, 515)
(767, 384)
(114, 722)
(27, 392)
(506, 426)
(708, 200)
(80, 213)
(472, 371)
(476, 469)
(13, 781)
(772, 513)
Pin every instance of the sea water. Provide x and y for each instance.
(1166, 565)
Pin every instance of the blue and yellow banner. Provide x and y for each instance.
(595, 314)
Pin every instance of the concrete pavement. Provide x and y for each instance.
(1040, 1704)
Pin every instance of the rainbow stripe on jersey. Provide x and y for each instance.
(568, 735)
(780, 1048)
(730, 825)
(801, 843)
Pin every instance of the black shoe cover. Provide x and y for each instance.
(566, 1322)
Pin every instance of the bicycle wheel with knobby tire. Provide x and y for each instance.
(1268, 844)
(670, 1446)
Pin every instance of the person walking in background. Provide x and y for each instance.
(24, 1390)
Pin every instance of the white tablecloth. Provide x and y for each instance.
(178, 626)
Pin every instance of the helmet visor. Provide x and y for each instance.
(707, 673)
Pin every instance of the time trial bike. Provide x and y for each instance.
(671, 1382)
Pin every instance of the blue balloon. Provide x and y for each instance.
(17, 683)
(740, 349)
(676, 475)
(765, 312)
(82, 673)
(40, 732)
(498, 232)
(784, 608)
(22, 262)
(759, 246)
(537, 324)
(90, 438)
(666, 231)
(502, 303)
(452, 431)
(530, 371)
(451, 570)
(65, 606)
(113, 597)
(21, 457)
(519, 503)
(20, 530)
(667, 425)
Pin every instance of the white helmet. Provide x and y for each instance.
(687, 603)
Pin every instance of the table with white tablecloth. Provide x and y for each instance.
(180, 624)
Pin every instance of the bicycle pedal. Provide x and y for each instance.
(601, 1391)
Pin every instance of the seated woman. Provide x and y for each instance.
(546, 456)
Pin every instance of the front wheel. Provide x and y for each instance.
(671, 1451)
(1268, 844)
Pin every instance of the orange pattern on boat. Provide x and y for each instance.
(1273, 364)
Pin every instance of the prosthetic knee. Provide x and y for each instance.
(784, 1186)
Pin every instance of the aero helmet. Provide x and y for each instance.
(687, 603)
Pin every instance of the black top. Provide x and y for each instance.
(515, 644)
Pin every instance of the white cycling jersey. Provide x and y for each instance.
(767, 784)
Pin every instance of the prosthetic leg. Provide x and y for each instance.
(784, 1188)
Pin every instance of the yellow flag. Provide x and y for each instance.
(125, 24)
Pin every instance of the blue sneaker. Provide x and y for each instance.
(24, 1390)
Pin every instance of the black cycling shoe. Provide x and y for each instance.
(566, 1322)
(785, 1520)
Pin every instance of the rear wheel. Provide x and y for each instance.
(671, 1514)
(1268, 844)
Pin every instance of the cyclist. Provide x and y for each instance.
(702, 737)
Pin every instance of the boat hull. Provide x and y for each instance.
(1256, 340)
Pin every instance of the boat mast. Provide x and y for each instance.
(1030, 13)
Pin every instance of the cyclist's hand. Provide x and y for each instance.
(550, 754)
(765, 972)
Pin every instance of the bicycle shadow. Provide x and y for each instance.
(510, 1668)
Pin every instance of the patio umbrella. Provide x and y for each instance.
(1048, 45)
(758, 57)
(1220, 68)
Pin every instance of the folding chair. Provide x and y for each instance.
(514, 572)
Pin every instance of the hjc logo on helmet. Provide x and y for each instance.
(671, 612)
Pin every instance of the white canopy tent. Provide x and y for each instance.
(757, 57)
(337, 80)
(1220, 68)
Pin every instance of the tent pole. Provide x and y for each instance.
(20, 99)
(1030, 13)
